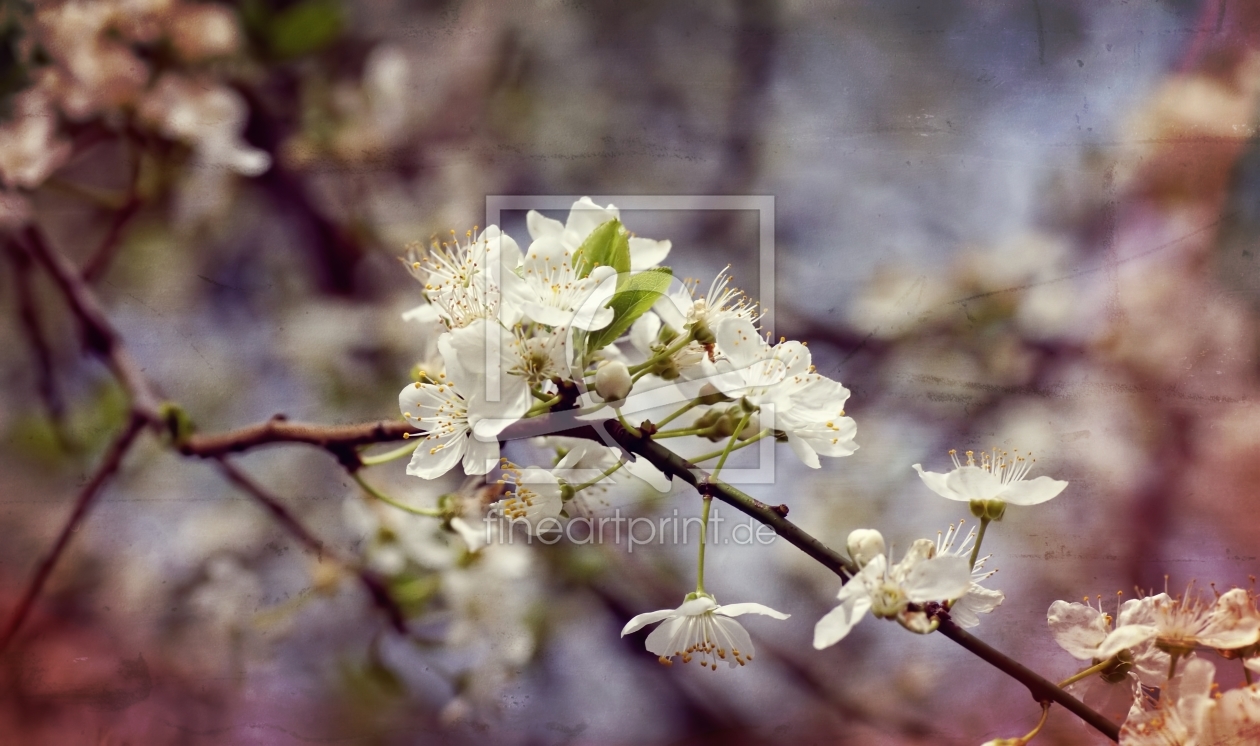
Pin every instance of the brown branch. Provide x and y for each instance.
(28, 312)
(99, 334)
(99, 262)
(109, 464)
(772, 516)
(374, 585)
(1041, 689)
(340, 440)
(662, 458)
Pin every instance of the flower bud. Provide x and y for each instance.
(864, 545)
(710, 395)
(612, 381)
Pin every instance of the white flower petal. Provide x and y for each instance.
(1123, 638)
(733, 610)
(433, 458)
(643, 620)
(540, 225)
(837, 623)
(938, 579)
(1078, 628)
(480, 456)
(973, 483)
(1032, 492)
(977, 600)
(937, 483)
(646, 253)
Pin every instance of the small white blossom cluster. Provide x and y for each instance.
(941, 578)
(1155, 644)
(586, 321)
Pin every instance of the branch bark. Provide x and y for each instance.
(99, 334)
(87, 496)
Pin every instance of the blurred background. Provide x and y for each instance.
(1027, 225)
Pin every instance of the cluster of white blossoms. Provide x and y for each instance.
(585, 326)
(585, 321)
(1156, 644)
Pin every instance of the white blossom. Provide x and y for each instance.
(977, 599)
(701, 628)
(584, 217)
(681, 311)
(1086, 633)
(585, 460)
(807, 407)
(535, 500)
(464, 282)
(448, 409)
(887, 592)
(1179, 624)
(997, 477)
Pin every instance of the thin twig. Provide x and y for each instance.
(374, 585)
(99, 262)
(32, 329)
(340, 440)
(99, 334)
(109, 464)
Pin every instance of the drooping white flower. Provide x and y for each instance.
(473, 280)
(584, 217)
(535, 500)
(392, 538)
(701, 628)
(978, 599)
(887, 592)
(997, 478)
(1083, 631)
(492, 598)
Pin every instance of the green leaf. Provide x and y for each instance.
(607, 246)
(305, 27)
(634, 296)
